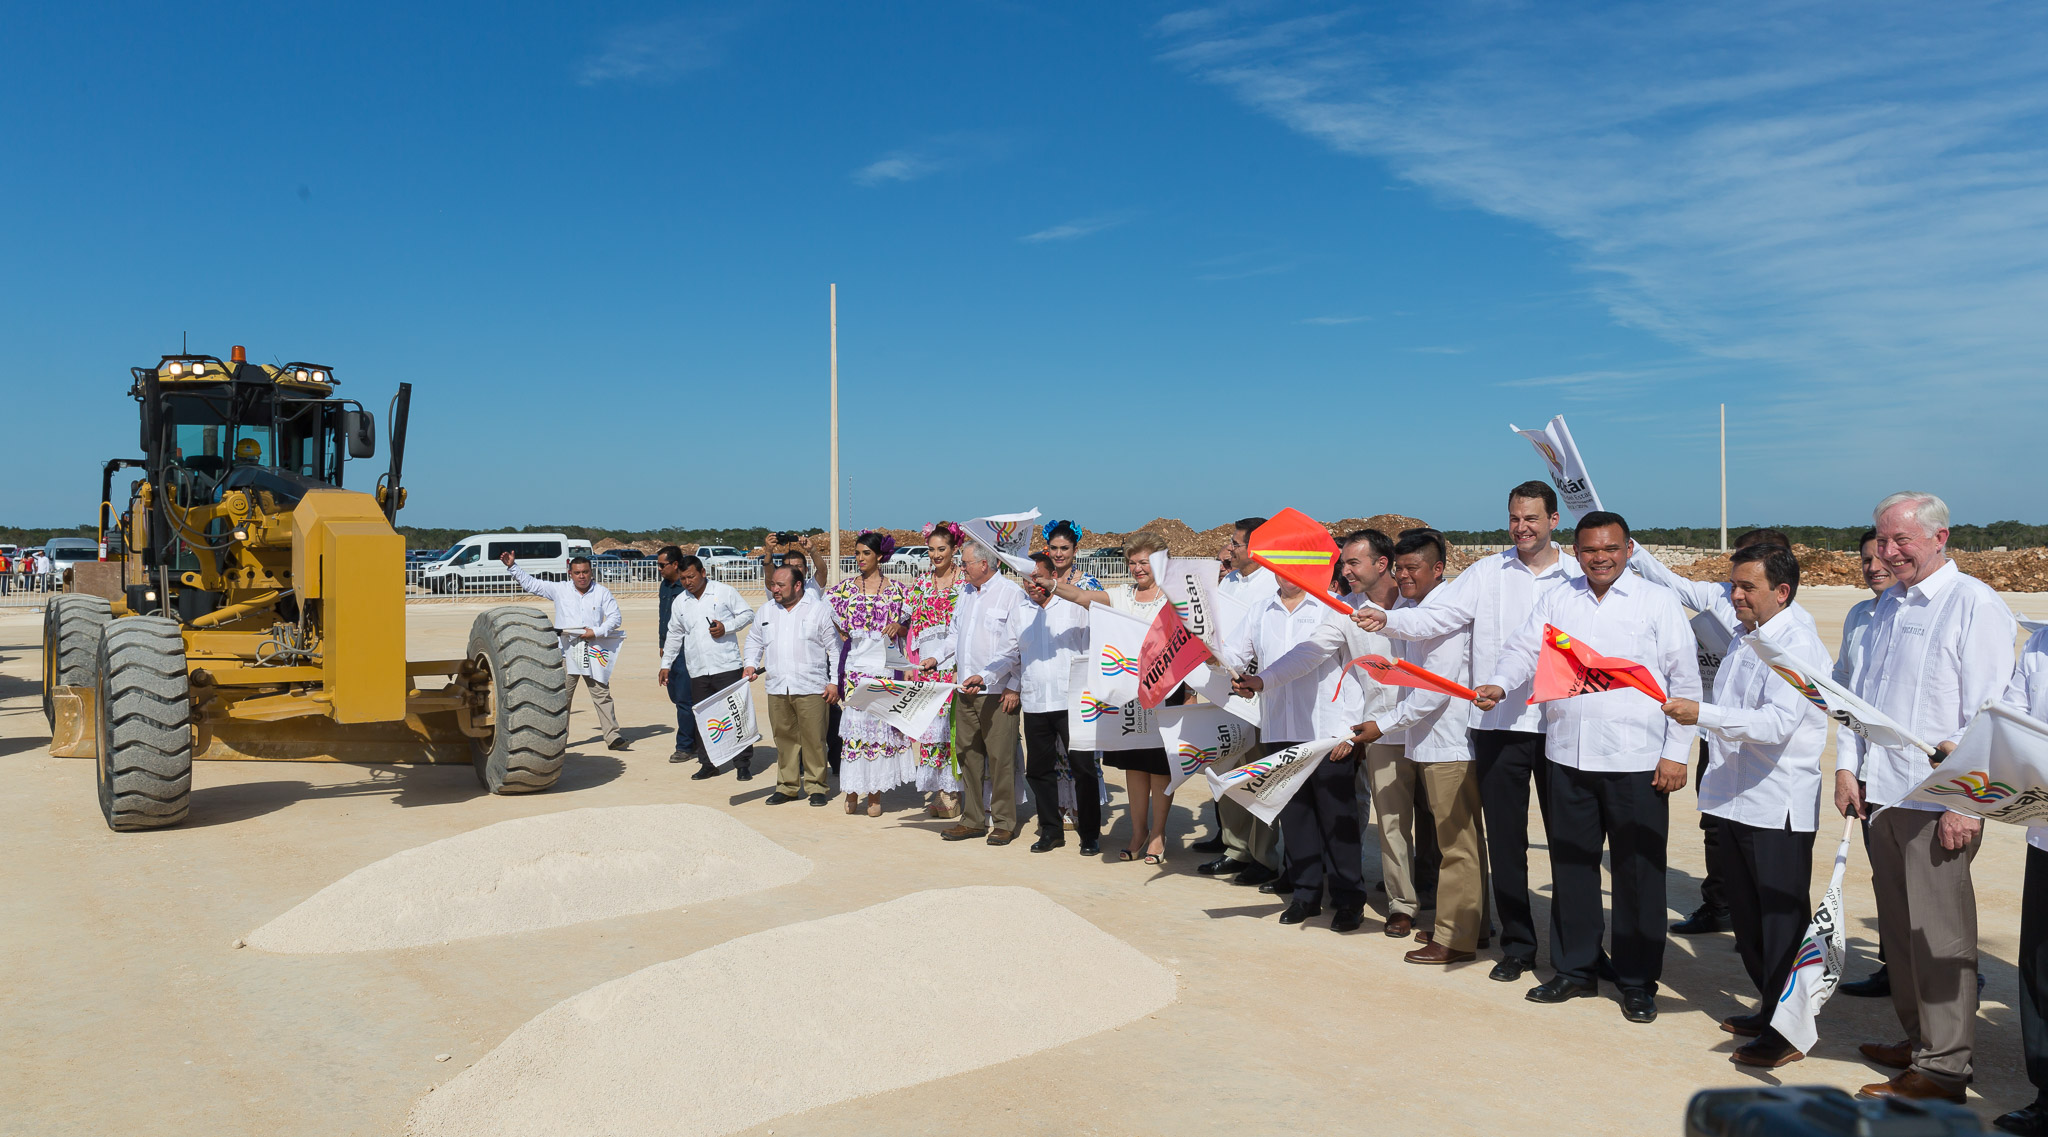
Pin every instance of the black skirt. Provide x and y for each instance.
(1152, 761)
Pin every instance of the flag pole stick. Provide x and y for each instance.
(832, 569)
(1724, 477)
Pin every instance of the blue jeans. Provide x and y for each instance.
(679, 694)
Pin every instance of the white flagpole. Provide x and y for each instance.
(832, 569)
(1724, 477)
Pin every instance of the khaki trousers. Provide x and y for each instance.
(988, 755)
(1927, 919)
(799, 725)
(1453, 792)
(1246, 838)
(1393, 778)
(601, 698)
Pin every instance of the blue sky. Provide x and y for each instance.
(1115, 261)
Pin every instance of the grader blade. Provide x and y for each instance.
(75, 710)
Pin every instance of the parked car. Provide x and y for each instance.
(422, 556)
(917, 557)
(723, 562)
(627, 553)
(472, 563)
(611, 568)
(67, 551)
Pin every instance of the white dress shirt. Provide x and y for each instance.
(1938, 651)
(798, 647)
(1340, 641)
(1763, 737)
(574, 611)
(1049, 641)
(1618, 731)
(689, 629)
(1715, 602)
(1493, 597)
(1849, 665)
(986, 623)
(2029, 692)
(1287, 704)
(1433, 726)
(1250, 588)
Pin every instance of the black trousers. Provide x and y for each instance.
(1319, 831)
(834, 745)
(679, 693)
(1620, 810)
(1045, 743)
(703, 687)
(1768, 874)
(1714, 888)
(2033, 969)
(1508, 763)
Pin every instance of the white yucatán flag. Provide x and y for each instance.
(725, 723)
(908, 705)
(592, 657)
(1114, 643)
(1999, 771)
(1009, 534)
(1266, 786)
(1817, 968)
(1095, 723)
(1190, 586)
(1560, 455)
(1202, 735)
(1714, 643)
(1820, 689)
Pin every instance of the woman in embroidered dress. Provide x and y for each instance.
(931, 620)
(870, 610)
(1062, 544)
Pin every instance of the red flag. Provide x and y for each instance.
(1566, 667)
(1299, 551)
(1401, 673)
(1170, 651)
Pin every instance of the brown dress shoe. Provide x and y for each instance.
(1438, 954)
(1425, 935)
(1399, 924)
(1001, 836)
(961, 833)
(1914, 1086)
(1769, 1055)
(1898, 1055)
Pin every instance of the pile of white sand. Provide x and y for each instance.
(536, 872)
(801, 1016)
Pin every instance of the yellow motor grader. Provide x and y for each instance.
(258, 611)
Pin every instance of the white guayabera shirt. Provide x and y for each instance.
(1493, 597)
(1764, 738)
(2029, 692)
(1433, 725)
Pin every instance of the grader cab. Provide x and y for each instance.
(258, 611)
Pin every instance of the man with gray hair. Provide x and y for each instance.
(987, 656)
(1940, 647)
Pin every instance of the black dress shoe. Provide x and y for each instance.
(1747, 1026)
(1347, 920)
(1638, 1005)
(1877, 986)
(1299, 911)
(1271, 888)
(1091, 848)
(679, 756)
(1559, 989)
(780, 798)
(1221, 866)
(1255, 875)
(820, 799)
(2029, 1122)
(746, 775)
(1047, 844)
(1509, 970)
(618, 744)
(704, 772)
(1212, 845)
(1703, 921)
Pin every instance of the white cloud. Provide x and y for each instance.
(898, 166)
(1851, 196)
(658, 52)
(1075, 229)
(935, 155)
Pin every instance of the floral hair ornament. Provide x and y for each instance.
(956, 534)
(885, 544)
(1050, 526)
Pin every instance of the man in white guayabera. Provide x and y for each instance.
(1940, 647)
(592, 631)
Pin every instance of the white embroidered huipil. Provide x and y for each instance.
(1938, 651)
(1269, 632)
(1715, 603)
(1763, 737)
(797, 647)
(1849, 665)
(2029, 692)
(1338, 641)
(986, 623)
(1432, 726)
(689, 629)
(1621, 731)
(1051, 638)
(574, 611)
(1493, 597)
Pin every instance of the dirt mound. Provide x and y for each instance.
(2021, 570)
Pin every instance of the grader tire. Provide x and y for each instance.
(529, 695)
(145, 724)
(71, 644)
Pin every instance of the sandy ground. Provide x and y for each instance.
(123, 1004)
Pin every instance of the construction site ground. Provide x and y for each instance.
(125, 1007)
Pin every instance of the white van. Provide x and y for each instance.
(472, 565)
